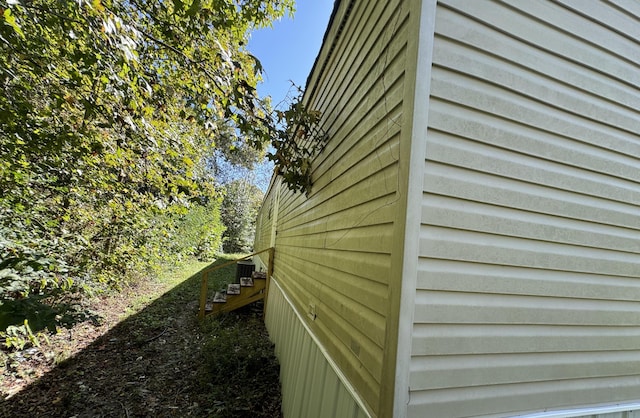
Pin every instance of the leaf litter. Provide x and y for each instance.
(157, 362)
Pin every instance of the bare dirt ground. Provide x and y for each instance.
(157, 362)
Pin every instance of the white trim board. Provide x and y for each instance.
(581, 412)
(343, 379)
(417, 112)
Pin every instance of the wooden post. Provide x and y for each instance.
(203, 294)
(272, 254)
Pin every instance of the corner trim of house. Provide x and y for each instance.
(348, 386)
(582, 412)
(275, 211)
(418, 110)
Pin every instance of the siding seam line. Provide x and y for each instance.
(343, 379)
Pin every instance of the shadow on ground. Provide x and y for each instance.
(161, 362)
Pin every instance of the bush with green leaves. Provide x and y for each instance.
(198, 232)
(240, 207)
(36, 288)
(109, 113)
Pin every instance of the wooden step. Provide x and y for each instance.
(240, 294)
(233, 289)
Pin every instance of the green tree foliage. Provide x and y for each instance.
(108, 111)
(199, 232)
(240, 207)
(296, 142)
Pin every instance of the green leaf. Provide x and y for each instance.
(196, 6)
(178, 5)
(10, 20)
(103, 152)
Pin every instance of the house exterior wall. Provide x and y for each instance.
(334, 246)
(266, 224)
(311, 383)
(529, 251)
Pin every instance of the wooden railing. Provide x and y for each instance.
(204, 285)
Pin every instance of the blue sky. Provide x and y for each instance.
(287, 51)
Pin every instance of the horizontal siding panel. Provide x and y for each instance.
(380, 119)
(621, 414)
(511, 76)
(485, 308)
(378, 185)
(375, 158)
(381, 139)
(448, 275)
(440, 372)
(371, 208)
(337, 308)
(479, 157)
(500, 191)
(374, 212)
(353, 286)
(612, 19)
(341, 161)
(629, 7)
(577, 26)
(356, 239)
(492, 41)
(472, 93)
(364, 358)
(444, 243)
(512, 400)
(378, 115)
(354, 47)
(368, 46)
(538, 32)
(479, 217)
(600, 157)
(528, 285)
(372, 267)
(464, 339)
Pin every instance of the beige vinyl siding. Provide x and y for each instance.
(311, 386)
(266, 224)
(333, 247)
(529, 271)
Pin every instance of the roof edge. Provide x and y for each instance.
(336, 24)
